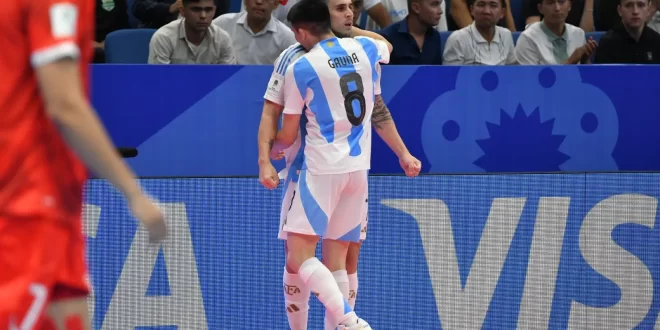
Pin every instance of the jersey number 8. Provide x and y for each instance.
(353, 90)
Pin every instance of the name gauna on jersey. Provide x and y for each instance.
(338, 62)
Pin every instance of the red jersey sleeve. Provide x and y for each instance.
(52, 28)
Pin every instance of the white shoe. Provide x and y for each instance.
(361, 325)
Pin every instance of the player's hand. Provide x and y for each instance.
(411, 165)
(151, 216)
(268, 176)
(175, 6)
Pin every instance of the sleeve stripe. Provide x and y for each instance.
(287, 57)
(57, 52)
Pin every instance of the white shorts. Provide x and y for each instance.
(332, 206)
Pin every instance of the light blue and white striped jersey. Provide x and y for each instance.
(275, 93)
(336, 81)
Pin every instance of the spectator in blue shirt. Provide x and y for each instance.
(414, 39)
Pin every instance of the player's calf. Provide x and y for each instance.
(351, 268)
(296, 298)
(67, 314)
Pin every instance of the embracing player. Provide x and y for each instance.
(46, 124)
(296, 295)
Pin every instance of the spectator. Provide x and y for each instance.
(192, 39)
(414, 39)
(654, 16)
(397, 10)
(374, 8)
(482, 42)
(460, 15)
(111, 15)
(552, 40)
(257, 37)
(154, 14)
(580, 13)
(631, 42)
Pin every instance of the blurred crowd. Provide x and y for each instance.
(423, 32)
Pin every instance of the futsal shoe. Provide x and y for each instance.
(361, 325)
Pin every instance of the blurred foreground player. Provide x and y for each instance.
(46, 47)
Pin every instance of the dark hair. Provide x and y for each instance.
(312, 15)
(187, 2)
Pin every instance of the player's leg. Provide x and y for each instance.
(68, 313)
(296, 293)
(345, 229)
(29, 254)
(351, 269)
(67, 309)
(307, 220)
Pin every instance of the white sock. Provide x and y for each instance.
(341, 277)
(320, 280)
(296, 298)
(352, 289)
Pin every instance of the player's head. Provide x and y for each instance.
(310, 22)
(341, 17)
(427, 12)
(198, 14)
(633, 13)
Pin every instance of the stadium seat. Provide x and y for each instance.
(130, 46)
(515, 36)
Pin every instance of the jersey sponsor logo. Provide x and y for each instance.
(63, 20)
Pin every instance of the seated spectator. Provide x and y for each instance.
(482, 42)
(192, 39)
(374, 8)
(631, 42)
(552, 40)
(395, 11)
(257, 37)
(654, 16)
(580, 13)
(154, 14)
(414, 39)
(460, 15)
(111, 15)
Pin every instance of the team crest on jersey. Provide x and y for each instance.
(283, 2)
(108, 5)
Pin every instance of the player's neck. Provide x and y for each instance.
(326, 36)
(415, 26)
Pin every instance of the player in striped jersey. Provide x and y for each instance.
(296, 295)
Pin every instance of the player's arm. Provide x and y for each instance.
(293, 108)
(52, 30)
(270, 115)
(357, 32)
(381, 120)
(66, 105)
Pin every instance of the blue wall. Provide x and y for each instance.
(461, 252)
(202, 120)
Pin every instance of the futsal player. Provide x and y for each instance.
(47, 124)
(329, 190)
(296, 295)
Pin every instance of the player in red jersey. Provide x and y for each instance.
(46, 123)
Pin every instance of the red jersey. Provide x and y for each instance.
(39, 175)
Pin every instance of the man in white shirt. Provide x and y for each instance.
(257, 37)
(552, 40)
(482, 42)
(192, 39)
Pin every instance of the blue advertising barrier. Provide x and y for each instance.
(532, 251)
(203, 120)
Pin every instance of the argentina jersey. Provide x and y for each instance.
(336, 81)
(275, 93)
